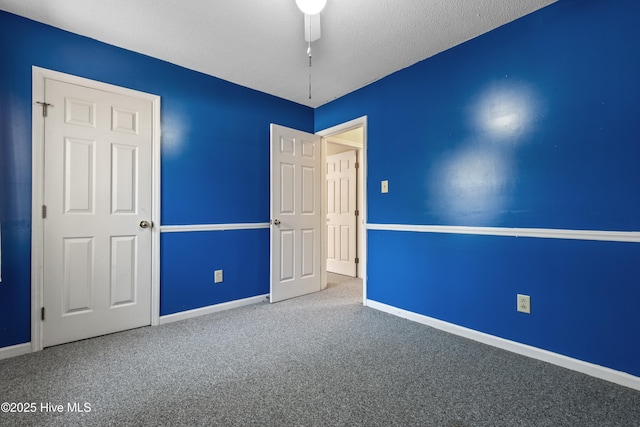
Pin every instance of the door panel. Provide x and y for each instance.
(295, 213)
(123, 179)
(287, 189)
(78, 275)
(97, 189)
(287, 255)
(123, 267)
(309, 264)
(308, 190)
(341, 213)
(79, 160)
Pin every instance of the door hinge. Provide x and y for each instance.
(45, 107)
(42, 313)
(357, 260)
(357, 165)
(357, 212)
(44, 211)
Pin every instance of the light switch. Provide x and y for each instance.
(384, 188)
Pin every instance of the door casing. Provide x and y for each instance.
(360, 122)
(37, 173)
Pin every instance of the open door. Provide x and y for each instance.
(296, 220)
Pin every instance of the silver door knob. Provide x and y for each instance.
(145, 224)
(276, 221)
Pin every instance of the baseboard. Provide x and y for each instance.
(211, 309)
(15, 350)
(587, 368)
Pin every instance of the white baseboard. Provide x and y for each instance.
(211, 309)
(15, 350)
(591, 369)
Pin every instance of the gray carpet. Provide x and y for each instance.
(318, 360)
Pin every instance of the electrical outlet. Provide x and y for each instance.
(217, 276)
(524, 304)
(384, 186)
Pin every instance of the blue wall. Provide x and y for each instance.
(534, 124)
(215, 167)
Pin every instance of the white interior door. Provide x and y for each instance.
(342, 213)
(296, 220)
(97, 230)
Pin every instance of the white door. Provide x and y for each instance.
(341, 213)
(295, 213)
(97, 229)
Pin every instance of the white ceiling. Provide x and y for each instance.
(260, 43)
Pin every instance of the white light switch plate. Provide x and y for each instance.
(384, 186)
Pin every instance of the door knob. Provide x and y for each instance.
(276, 221)
(145, 224)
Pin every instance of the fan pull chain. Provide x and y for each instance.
(309, 53)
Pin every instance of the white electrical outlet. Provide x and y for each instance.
(217, 276)
(384, 186)
(524, 304)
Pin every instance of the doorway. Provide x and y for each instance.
(345, 138)
(343, 204)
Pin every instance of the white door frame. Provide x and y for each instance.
(362, 251)
(37, 198)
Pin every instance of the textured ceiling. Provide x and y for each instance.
(260, 43)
